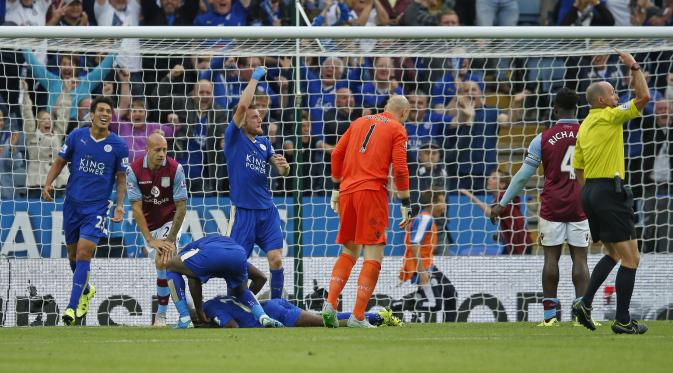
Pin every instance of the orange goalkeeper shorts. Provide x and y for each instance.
(363, 217)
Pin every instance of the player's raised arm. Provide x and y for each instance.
(247, 96)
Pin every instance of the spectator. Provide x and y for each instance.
(44, 138)
(429, 172)
(395, 9)
(512, 226)
(654, 16)
(599, 68)
(422, 123)
(12, 168)
(368, 13)
(588, 13)
(334, 14)
(336, 121)
(68, 75)
(497, 12)
(321, 90)
(224, 13)
(68, 13)
(669, 87)
(27, 12)
(620, 10)
(83, 114)
(418, 14)
(477, 127)
(658, 178)
(136, 131)
(375, 94)
(169, 12)
(443, 90)
(124, 13)
(306, 155)
(200, 138)
(449, 18)
(271, 12)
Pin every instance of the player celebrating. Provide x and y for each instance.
(158, 195)
(360, 164)
(214, 256)
(227, 312)
(96, 158)
(561, 216)
(253, 218)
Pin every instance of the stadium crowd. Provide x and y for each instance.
(454, 128)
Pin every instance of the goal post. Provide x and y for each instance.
(478, 95)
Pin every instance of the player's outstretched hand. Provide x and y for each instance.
(334, 201)
(496, 212)
(47, 193)
(259, 72)
(118, 215)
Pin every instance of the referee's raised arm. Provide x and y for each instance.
(638, 78)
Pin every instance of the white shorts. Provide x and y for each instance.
(556, 233)
(159, 234)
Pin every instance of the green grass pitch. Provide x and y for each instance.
(462, 347)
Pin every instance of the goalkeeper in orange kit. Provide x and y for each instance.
(360, 165)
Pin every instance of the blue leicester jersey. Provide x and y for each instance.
(93, 164)
(248, 166)
(223, 309)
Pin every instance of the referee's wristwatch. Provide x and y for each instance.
(635, 67)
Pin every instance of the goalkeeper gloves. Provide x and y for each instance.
(334, 201)
(259, 73)
(406, 212)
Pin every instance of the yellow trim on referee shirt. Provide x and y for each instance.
(599, 150)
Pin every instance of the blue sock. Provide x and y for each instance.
(163, 293)
(176, 284)
(79, 280)
(249, 299)
(73, 266)
(277, 282)
(549, 305)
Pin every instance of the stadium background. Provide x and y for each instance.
(518, 78)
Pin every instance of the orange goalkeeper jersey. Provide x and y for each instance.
(362, 157)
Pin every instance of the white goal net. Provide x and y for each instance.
(476, 105)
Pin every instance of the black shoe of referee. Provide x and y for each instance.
(631, 328)
(583, 314)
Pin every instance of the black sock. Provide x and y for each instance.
(626, 278)
(598, 276)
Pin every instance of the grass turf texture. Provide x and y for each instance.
(462, 347)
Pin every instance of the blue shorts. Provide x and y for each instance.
(283, 311)
(229, 263)
(249, 227)
(85, 220)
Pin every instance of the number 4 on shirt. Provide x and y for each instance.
(567, 162)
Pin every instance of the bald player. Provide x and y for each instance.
(158, 195)
(360, 165)
(607, 201)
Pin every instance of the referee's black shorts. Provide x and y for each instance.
(610, 213)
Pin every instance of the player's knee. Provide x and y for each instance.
(84, 253)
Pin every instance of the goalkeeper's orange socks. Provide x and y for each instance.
(340, 274)
(369, 276)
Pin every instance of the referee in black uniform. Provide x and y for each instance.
(608, 203)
